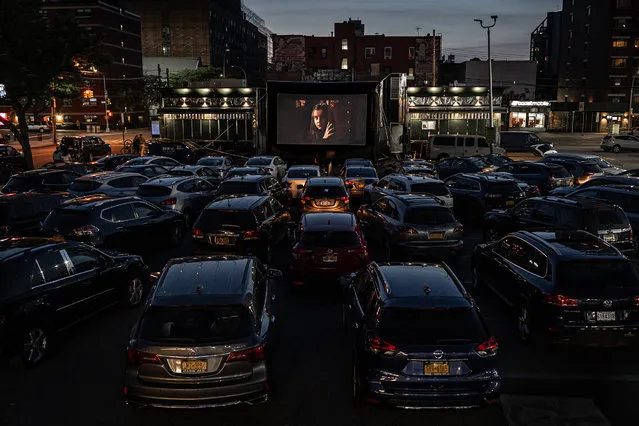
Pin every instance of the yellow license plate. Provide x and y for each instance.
(510, 202)
(330, 259)
(223, 241)
(436, 235)
(436, 368)
(194, 366)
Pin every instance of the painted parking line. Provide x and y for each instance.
(523, 410)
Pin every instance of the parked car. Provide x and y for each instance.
(356, 178)
(598, 181)
(325, 195)
(543, 149)
(475, 194)
(125, 223)
(21, 214)
(528, 190)
(419, 339)
(202, 341)
(581, 170)
(255, 185)
(148, 170)
(419, 171)
(354, 162)
(443, 146)
(497, 160)
(245, 171)
(220, 165)
(110, 163)
(546, 177)
(202, 172)
(598, 217)
(178, 151)
(41, 128)
(11, 162)
(330, 245)
(253, 224)
(606, 167)
(417, 162)
(56, 284)
(188, 195)
(518, 141)
(451, 166)
(275, 165)
(80, 169)
(400, 184)
(107, 183)
(40, 180)
(412, 225)
(618, 143)
(86, 148)
(569, 286)
(166, 162)
(296, 177)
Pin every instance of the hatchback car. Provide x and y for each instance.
(607, 168)
(581, 170)
(356, 178)
(50, 285)
(201, 172)
(567, 285)
(598, 217)
(21, 214)
(246, 171)
(202, 339)
(255, 185)
(325, 195)
(546, 177)
(124, 223)
(618, 143)
(253, 224)
(296, 177)
(148, 170)
(188, 195)
(413, 225)
(166, 162)
(40, 180)
(399, 184)
(330, 245)
(275, 165)
(107, 183)
(451, 166)
(219, 165)
(419, 339)
(474, 194)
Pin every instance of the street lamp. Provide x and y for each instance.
(224, 64)
(490, 73)
(241, 69)
(106, 103)
(632, 94)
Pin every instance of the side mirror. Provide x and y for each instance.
(274, 274)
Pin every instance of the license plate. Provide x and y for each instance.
(222, 241)
(510, 202)
(436, 369)
(609, 237)
(330, 258)
(325, 203)
(606, 316)
(194, 366)
(436, 235)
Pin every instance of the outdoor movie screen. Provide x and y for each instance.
(321, 119)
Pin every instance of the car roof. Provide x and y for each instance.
(167, 180)
(247, 178)
(140, 166)
(420, 285)
(412, 200)
(204, 281)
(236, 202)
(89, 202)
(189, 168)
(265, 157)
(329, 222)
(107, 176)
(213, 157)
(574, 155)
(560, 159)
(625, 189)
(419, 178)
(39, 172)
(309, 166)
(324, 181)
(588, 203)
(574, 244)
(485, 177)
(623, 180)
(13, 246)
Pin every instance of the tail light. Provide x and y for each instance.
(298, 252)
(85, 231)
(459, 228)
(362, 252)
(251, 355)
(134, 357)
(637, 301)
(536, 189)
(550, 176)
(559, 300)
(169, 202)
(486, 169)
(349, 182)
(377, 345)
(251, 235)
(407, 230)
(488, 348)
(345, 199)
(198, 234)
(306, 199)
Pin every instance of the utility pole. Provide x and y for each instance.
(632, 94)
(106, 103)
(434, 59)
(53, 113)
(490, 78)
(227, 50)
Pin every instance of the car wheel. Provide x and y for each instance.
(616, 149)
(524, 324)
(36, 344)
(490, 235)
(177, 235)
(134, 292)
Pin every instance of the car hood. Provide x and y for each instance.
(612, 171)
(563, 190)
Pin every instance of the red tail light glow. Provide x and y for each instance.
(197, 233)
(559, 300)
(251, 235)
(488, 348)
(345, 199)
(298, 252)
(306, 199)
(85, 231)
(376, 344)
(134, 357)
(251, 355)
(361, 251)
(349, 182)
(636, 300)
(169, 202)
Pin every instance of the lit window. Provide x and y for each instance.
(620, 43)
(344, 63)
(588, 10)
(619, 62)
(411, 72)
(122, 60)
(344, 44)
(572, 17)
(570, 35)
(121, 27)
(388, 52)
(623, 4)
(411, 53)
(637, 43)
(324, 53)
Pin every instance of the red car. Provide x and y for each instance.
(330, 245)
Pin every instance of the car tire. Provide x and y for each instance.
(134, 292)
(616, 149)
(177, 235)
(35, 344)
(524, 327)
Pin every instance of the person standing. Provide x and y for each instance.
(142, 144)
(136, 145)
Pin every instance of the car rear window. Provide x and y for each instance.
(238, 188)
(17, 184)
(258, 162)
(435, 188)
(180, 173)
(228, 218)
(361, 172)
(559, 172)
(64, 219)
(331, 239)
(424, 326)
(587, 277)
(210, 162)
(136, 162)
(153, 191)
(591, 168)
(302, 173)
(429, 216)
(503, 187)
(325, 192)
(196, 325)
(607, 218)
(85, 185)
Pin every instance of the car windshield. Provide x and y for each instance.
(238, 187)
(17, 184)
(435, 188)
(366, 172)
(198, 325)
(584, 277)
(66, 219)
(424, 326)
(560, 172)
(325, 192)
(82, 185)
(210, 162)
(258, 162)
(429, 216)
(302, 173)
(227, 218)
(607, 218)
(330, 239)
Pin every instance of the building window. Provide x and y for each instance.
(67, 103)
(569, 34)
(411, 52)
(586, 46)
(369, 52)
(122, 60)
(344, 44)
(388, 52)
(620, 43)
(616, 82)
(622, 4)
(585, 64)
(311, 53)
(83, 13)
(619, 62)
(622, 23)
(344, 63)
(572, 17)
(324, 54)
(583, 81)
(637, 43)
(121, 27)
(411, 73)
(121, 43)
(166, 51)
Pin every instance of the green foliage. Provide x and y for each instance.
(183, 77)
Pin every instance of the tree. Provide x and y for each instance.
(40, 56)
(184, 77)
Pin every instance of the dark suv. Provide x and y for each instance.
(581, 170)
(569, 285)
(475, 193)
(598, 217)
(40, 180)
(202, 339)
(21, 214)
(255, 185)
(545, 176)
(86, 148)
(419, 339)
(325, 195)
(412, 224)
(399, 184)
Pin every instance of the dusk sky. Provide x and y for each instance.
(453, 18)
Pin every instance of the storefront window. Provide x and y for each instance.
(517, 119)
(536, 120)
(530, 120)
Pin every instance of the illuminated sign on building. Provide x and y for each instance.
(530, 103)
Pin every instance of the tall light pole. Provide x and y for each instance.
(490, 75)
(632, 94)
(241, 69)
(227, 50)
(106, 103)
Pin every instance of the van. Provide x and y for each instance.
(518, 141)
(442, 146)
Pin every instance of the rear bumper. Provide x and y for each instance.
(434, 248)
(337, 209)
(244, 247)
(588, 335)
(303, 272)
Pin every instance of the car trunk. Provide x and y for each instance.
(431, 224)
(502, 194)
(155, 194)
(339, 250)
(228, 228)
(609, 224)
(81, 186)
(328, 198)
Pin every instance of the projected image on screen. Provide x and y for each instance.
(321, 119)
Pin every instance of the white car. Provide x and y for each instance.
(543, 149)
(297, 175)
(275, 165)
(618, 143)
(38, 128)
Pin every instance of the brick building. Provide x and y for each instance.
(349, 53)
